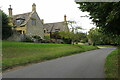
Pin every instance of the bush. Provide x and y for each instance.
(6, 32)
(6, 29)
(45, 41)
(47, 37)
(28, 39)
(67, 41)
(33, 39)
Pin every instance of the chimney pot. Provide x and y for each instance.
(34, 7)
(10, 11)
(65, 18)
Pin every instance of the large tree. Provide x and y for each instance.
(95, 36)
(6, 29)
(105, 15)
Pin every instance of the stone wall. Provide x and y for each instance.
(16, 37)
(37, 29)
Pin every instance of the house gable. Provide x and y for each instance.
(34, 26)
(28, 23)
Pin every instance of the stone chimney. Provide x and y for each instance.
(10, 16)
(42, 21)
(10, 11)
(65, 18)
(34, 7)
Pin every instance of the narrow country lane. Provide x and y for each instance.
(88, 64)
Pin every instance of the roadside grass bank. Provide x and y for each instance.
(106, 46)
(111, 65)
(20, 53)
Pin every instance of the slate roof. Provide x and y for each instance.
(52, 27)
(24, 17)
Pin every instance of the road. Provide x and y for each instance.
(88, 64)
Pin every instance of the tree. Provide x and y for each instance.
(93, 36)
(67, 36)
(82, 37)
(6, 29)
(74, 28)
(96, 37)
(75, 37)
(105, 15)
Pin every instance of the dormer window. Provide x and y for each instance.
(19, 21)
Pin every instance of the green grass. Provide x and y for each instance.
(106, 46)
(19, 53)
(111, 65)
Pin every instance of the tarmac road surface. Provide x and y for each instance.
(88, 64)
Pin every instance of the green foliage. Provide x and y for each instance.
(67, 36)
(33, 39)
(75, 37)
(115, 39)
(111, 65)
(37, 38)
(67, 40)
(28, 39)
(81, 37)
(55, 35)
(95, 36)
(21, 53)
(105, 15)
(6, 29)
(47, 37)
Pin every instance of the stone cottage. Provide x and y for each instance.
(56, 27)
(28, 24)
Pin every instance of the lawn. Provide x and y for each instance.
(111, 65)
(21, 53)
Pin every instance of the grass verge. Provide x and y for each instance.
(111, 65)
(19, 53)
(106, 46)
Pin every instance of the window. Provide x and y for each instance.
(23, 32)
(44, 31)
(33, 22)
(57, 30)
(20, 31)
(47, 31)
(19, 21)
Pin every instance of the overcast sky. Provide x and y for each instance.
(50, 10)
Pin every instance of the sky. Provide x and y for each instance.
(50, 10)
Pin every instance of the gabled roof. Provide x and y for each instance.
(52, 27)
(25, 17)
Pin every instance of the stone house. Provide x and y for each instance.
(28, 24)
(50, 28)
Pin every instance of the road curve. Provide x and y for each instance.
(88, 64)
